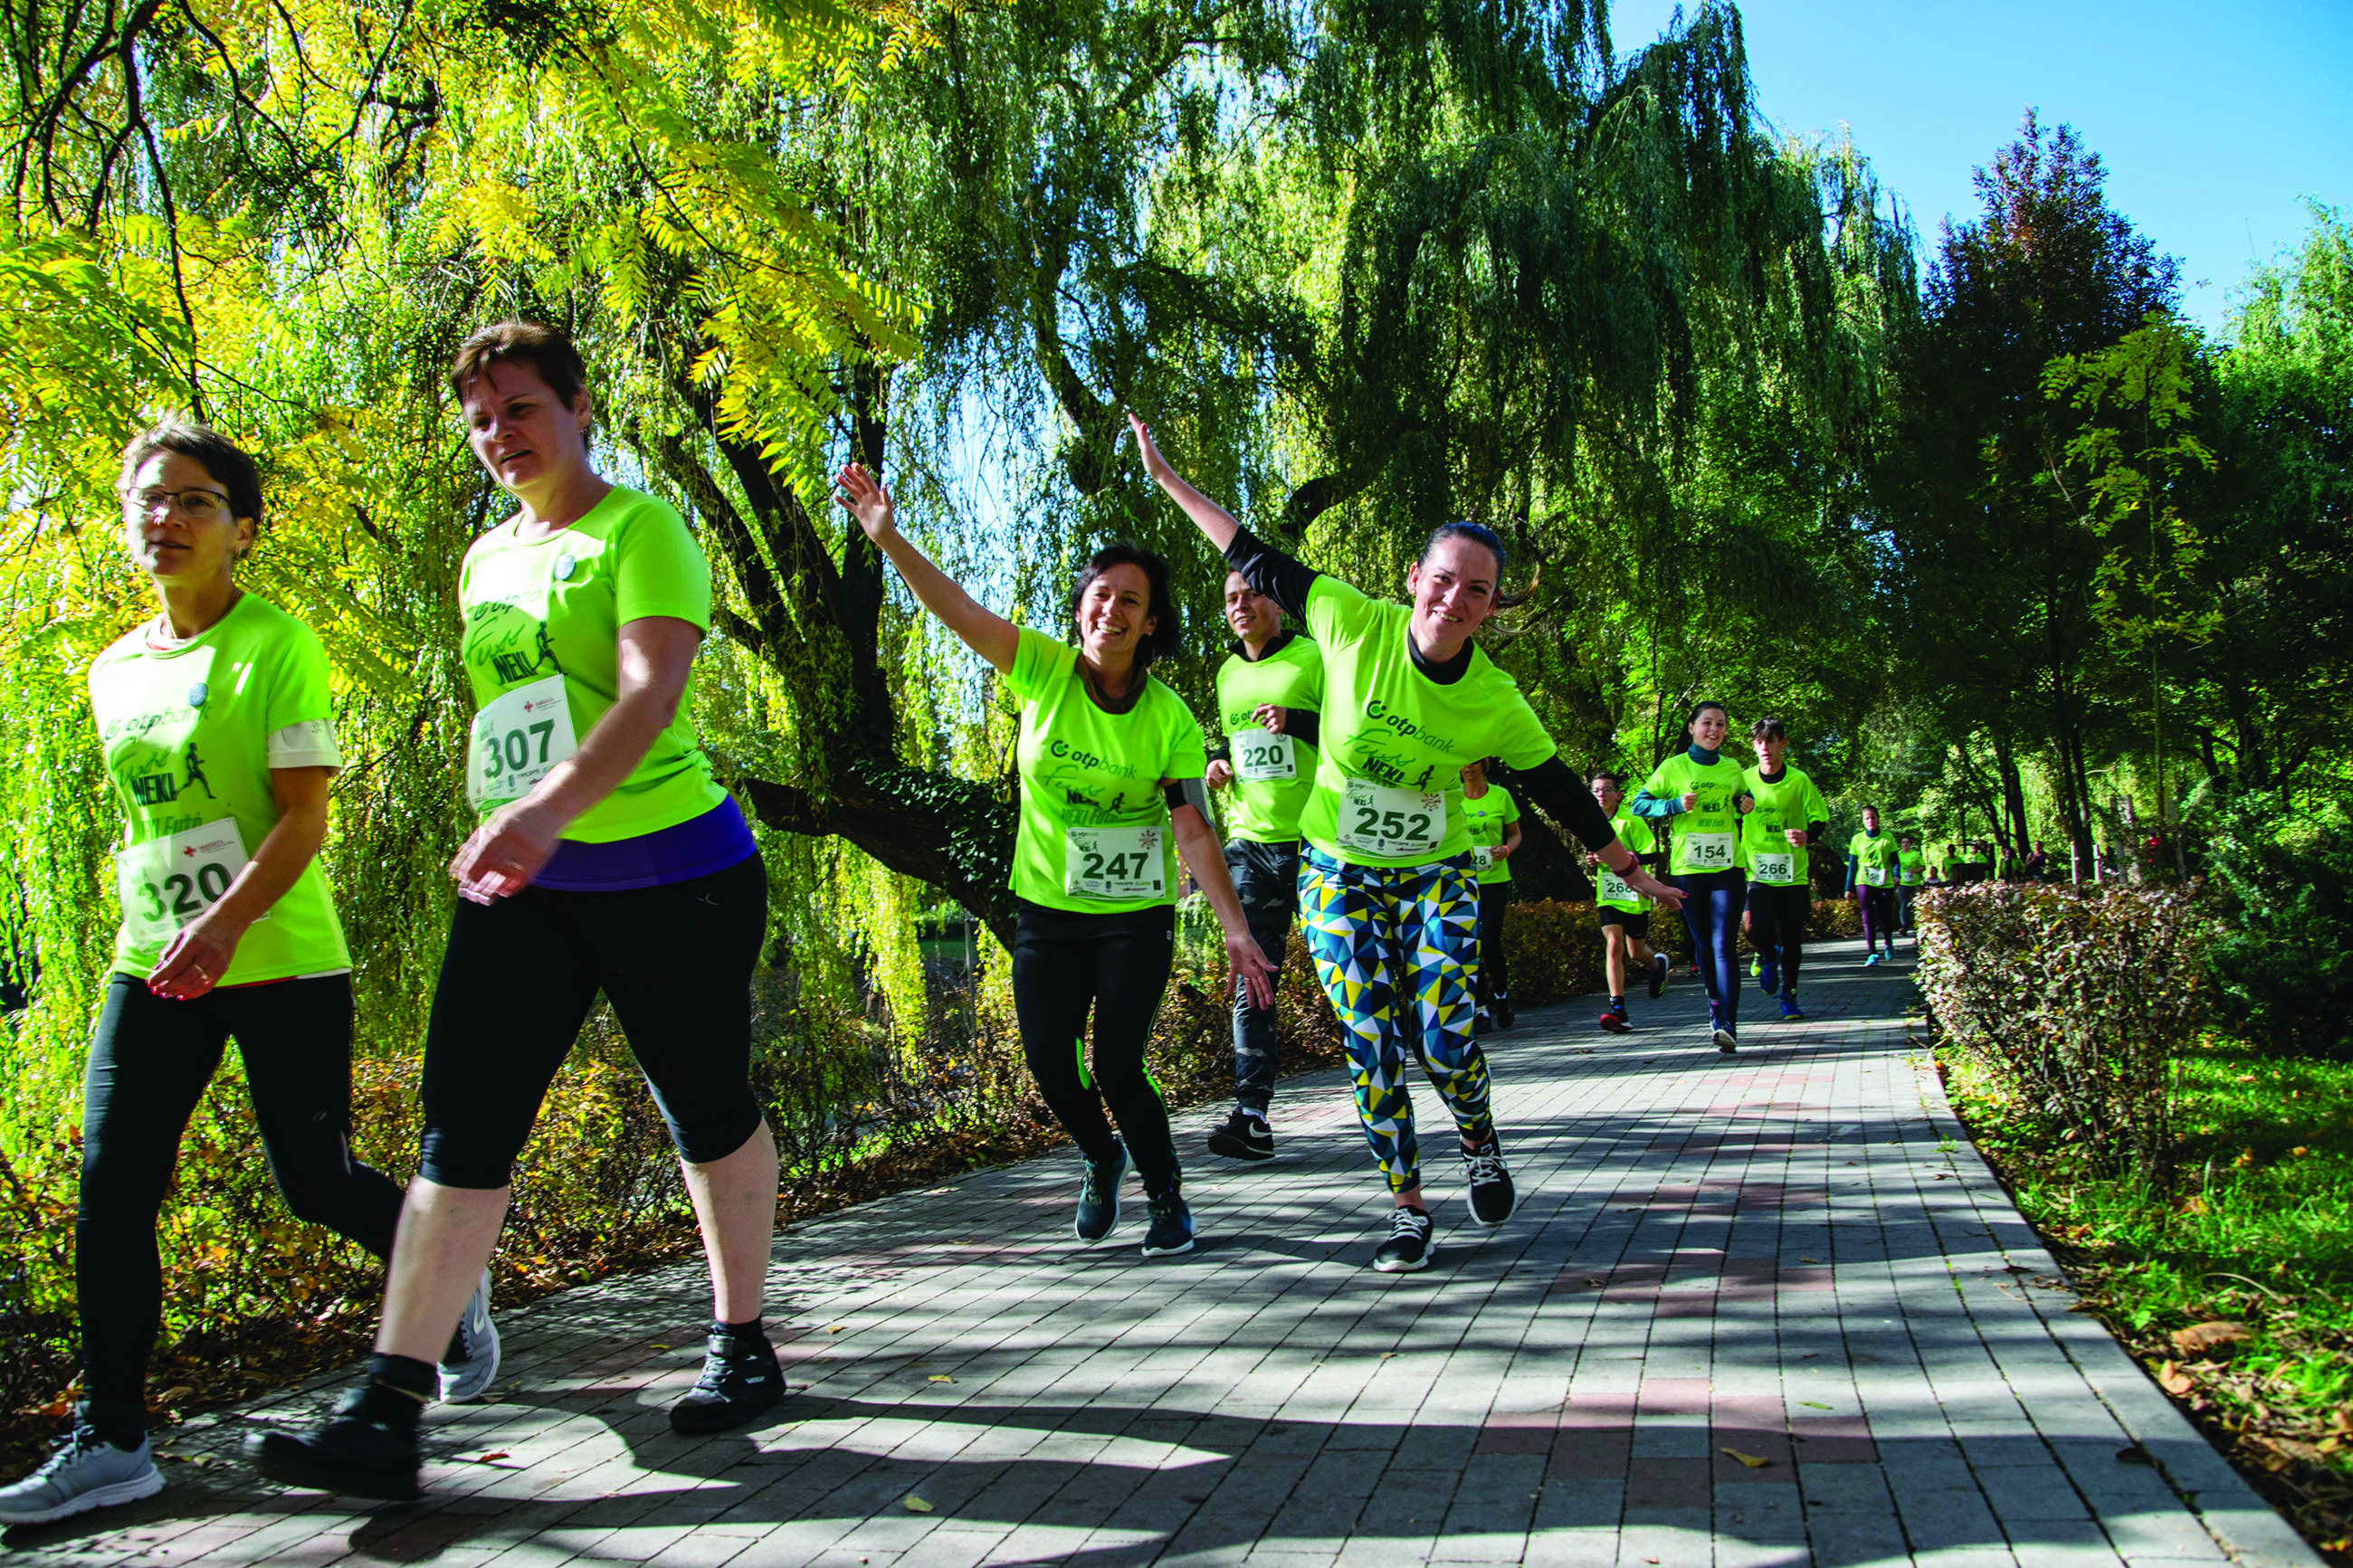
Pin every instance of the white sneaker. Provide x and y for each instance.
(86, 1472)
(472, 1359)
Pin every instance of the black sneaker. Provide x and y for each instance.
(1172, 1227)
(362, 1452)
(1505, 1016)
(1658, 975)
(1245, 1136)
(1483, 1023)
(1099, 1194)
(740, 1379)
(1493, 1196)
(1410, 1246)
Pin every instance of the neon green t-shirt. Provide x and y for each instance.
(1609, 887)
(1789, 802)
(190, 734)
(543, 651)
(1875, 859)
(1273, 775)
(1489, 820)
(1094, 833)
(1388, 785)
(1913, 866)
(1707, 837)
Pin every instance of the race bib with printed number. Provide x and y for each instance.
(1391, 822)
(1260, 755)
(1707, 851)
(1482, 858)
(1875, 876)
(1781, 868)
(517, 742)
(1614, 890)
(167, 882)
(1124, 864)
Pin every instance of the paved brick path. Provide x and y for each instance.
(1792, 1255)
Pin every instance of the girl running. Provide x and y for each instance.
(1112, 764)
(606, 858)
(1493, 817)
(1623, 913)
(229, 931)
(1386, 881)
(1787, 817)
(1704, 794)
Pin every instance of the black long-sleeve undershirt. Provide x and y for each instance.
(1562, 796)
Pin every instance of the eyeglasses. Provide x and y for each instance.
(202, 506)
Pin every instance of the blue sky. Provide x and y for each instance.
(2214, 120)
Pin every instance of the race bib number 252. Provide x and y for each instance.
(1391, 822)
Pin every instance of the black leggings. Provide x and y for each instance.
(1712, 904)
(1064, 962)
(149, 1064)
(1492, 978)
(520, 975)
(1777, 926)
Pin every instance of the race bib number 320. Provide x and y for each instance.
(1391, 824)
(517, 742)
(167, 882)
(1123, 863)
(1260, 755)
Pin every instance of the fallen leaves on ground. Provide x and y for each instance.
(1754, 1462)
(2205, 1339)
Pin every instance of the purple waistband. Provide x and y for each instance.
(712, 842)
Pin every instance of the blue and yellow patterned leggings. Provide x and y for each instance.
(1394, 948)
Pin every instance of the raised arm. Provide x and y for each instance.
(984, 631)
(1212, 520)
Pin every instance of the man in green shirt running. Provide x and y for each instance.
(1912, 874)
(1269, 691)
(1871, 875)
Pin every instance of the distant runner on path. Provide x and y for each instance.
(1623, 913)
(1776, 837)
(1871, 870)
(1702, 795)
(1493, 817)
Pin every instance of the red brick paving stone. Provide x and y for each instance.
(1588, 1455)
(1668, 1483)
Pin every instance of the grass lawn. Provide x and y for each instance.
(2255, 1231)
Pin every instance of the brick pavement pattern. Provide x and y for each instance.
(1792, 1256)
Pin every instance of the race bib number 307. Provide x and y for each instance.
(1391, 824)
(517, 742)
(165, 883)
(1260, 755)
(1122, 863)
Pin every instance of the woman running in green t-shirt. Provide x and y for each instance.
(217, 729)
(1493, 819)
(1703, 795)
(605, 857)
(1390, 908)
(1112, 764)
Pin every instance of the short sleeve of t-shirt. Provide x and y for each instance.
(1189, 755)
(1511, 808)
(1338, 612)
(298, 680)
(662, 571)
(1038, 661)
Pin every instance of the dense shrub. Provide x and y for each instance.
(2078, 1002)
(1554, 950)
(2283, 962)
(1834, 918)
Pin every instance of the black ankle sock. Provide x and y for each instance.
(397, 1391)
(121, 1422)
(751, 1331)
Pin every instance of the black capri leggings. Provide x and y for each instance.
(1494, 972)
(1777, 926)
(520, 975)
(1065, 963)
(149, 1064)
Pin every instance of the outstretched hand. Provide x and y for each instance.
(1248, 960)
(1154, 463)
(1665, 895)
(867, 500)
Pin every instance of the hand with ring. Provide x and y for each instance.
(196, 959)
(505, 852)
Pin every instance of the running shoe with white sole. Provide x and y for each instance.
(1172, 1227)
(1099, 1194)
(1412, 1245)
(1725, 1040)
(1245, 1135)
(472, 1359)
(1493, 1198)
(85, 1472)
(1615, 1021)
